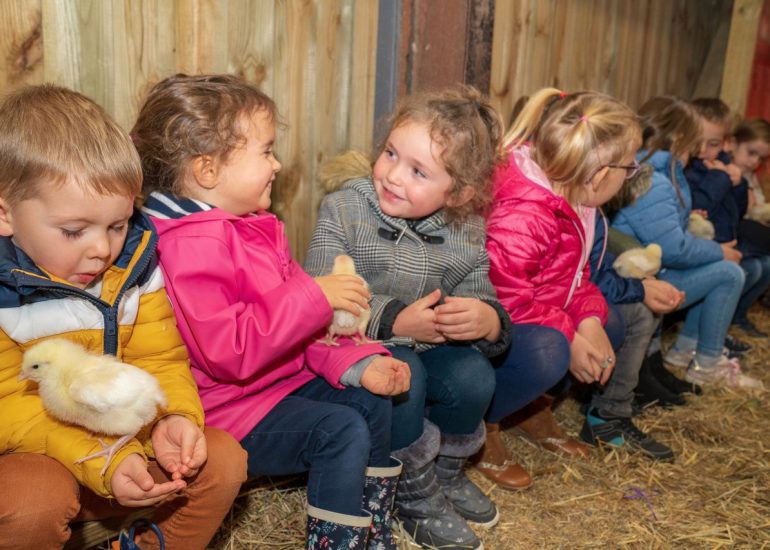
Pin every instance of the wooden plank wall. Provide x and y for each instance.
(633, 50)
(316, 58)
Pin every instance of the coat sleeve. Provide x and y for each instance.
(156, 347)
(243, 339)
(331, 362)
(516, 250)
(330, 240)
(614, 288)
(655, 218)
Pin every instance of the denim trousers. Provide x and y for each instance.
(536, 361)
(711, 295)
(333, 434)
(46, 499)
(757, 270)
(451, 385)
(640, 324)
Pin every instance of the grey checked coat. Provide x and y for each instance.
(403, 260)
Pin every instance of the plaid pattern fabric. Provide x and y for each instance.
(403, 260)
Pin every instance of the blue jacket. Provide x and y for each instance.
(661, 216)
(714, 192)
(616, 289)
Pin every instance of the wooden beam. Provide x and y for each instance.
(736, 76)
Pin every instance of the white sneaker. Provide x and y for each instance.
(727, 372)
(679, 358)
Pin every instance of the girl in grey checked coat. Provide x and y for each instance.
(413, 225)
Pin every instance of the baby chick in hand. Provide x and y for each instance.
(97, 392)
(639, 263)
(345, 323)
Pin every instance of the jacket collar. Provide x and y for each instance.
(168, 206)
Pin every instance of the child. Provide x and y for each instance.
(567, 155)
(718, 187)
(413, 229)
(707, 272)
(78, 262)
(251, 317)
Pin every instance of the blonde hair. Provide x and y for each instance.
(469, 129)
(574, 135)
(50, 134)
(184, 117)
(751, 130)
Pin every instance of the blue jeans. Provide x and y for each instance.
(451, 385)
(757, 270)
(712, 292)
(536, 361)
(331, 433)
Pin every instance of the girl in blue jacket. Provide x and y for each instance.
(706, 271)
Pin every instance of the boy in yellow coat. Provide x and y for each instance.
(76, 261)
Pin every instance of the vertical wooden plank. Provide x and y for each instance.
(362, 75)
(200, 26)
(251, 42)
(61, 44)
(21, 43)
(502, 54)
(736, 76)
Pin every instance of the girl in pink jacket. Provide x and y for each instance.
(567, 154)
(251, 317)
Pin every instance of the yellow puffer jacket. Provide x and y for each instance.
(132, 319)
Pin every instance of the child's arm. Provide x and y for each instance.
(513, 270)
(474, 313)
(655, 218)
(709, 188)
(242, 339)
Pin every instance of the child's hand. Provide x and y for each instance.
(386, 376)
(660, 296)
(730, 253)
(735, 174)
(585, 360)
(345, 292)
(601, 356)
(418, 320)
(179, 445)
(132, 485)
(703, 213)
(467, 319)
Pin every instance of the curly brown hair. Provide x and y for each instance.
(184, 117)
(469, 129)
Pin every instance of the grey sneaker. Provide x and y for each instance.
(679, 358)
(727, 372)
(466, 498)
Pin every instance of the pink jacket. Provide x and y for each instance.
(538, 251)
(248, 314)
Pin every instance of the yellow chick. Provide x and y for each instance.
(639, 263)
(700, 227)
(345, 323)
(760, 213)
(97, 392)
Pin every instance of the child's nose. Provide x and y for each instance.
(100, 247)
(394, 175)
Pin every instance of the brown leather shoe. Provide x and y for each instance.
(537, 423)
(494, 460)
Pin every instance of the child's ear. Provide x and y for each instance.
(598, 177)
(205, 171)
(6, 225)
(466, 194)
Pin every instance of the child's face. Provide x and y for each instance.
(750, 154)
(69, 232)
(410, 180)
(713, 135)
(245, 179)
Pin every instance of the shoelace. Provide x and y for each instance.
(629, 428)
(126, 537)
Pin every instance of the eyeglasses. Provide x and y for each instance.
(631, 169)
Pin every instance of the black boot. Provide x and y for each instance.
(649, 390)
(667, 378)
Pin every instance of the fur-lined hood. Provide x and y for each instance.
(350, 165)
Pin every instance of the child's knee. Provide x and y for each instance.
(346, 429)
(227, 460)
(45, 501)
